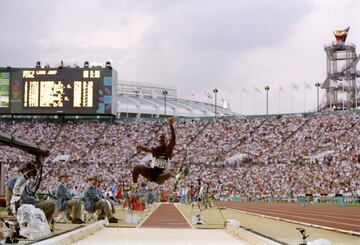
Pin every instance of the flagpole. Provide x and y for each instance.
(253, 101)
(304, 98)
(240, 101)
(343, 104)
(317, 85)
(330, 97)
(291, 104)
(279, 100)
(356, 93)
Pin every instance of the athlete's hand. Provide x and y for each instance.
(171, 121)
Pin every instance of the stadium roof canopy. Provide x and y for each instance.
(148, 100)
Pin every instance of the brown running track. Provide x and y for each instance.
(166, 216)
(338, 217)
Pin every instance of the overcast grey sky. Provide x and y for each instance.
(191, 45)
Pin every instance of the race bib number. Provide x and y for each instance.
(161, 163)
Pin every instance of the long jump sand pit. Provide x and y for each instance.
(159, 236)
(165, 225)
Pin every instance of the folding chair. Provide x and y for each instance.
(61, 218)
(91, 217)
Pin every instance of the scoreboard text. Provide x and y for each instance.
(64, 90)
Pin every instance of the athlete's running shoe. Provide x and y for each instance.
(183, 172)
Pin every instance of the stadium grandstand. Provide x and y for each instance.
(294, 152)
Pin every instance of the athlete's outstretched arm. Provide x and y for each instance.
(143, 148)
(171, 145)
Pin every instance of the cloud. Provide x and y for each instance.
(22, 25)
(193, 45)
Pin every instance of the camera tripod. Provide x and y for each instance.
(304, 236)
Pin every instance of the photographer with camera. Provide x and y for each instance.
(19, 192)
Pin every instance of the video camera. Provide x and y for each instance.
(30, 169)
(32, 172)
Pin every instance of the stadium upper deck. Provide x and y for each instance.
(148, 100)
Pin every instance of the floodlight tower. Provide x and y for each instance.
(340, 83)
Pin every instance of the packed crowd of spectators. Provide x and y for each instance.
(283, 156)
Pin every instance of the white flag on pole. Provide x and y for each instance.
(245, 91)
(294, 86)
(208, 94)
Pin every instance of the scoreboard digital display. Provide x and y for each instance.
(4, 89)
(58, 91)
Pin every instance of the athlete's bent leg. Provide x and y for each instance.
(167, 174)
(143, 171)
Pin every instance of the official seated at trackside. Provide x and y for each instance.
(72, 207)
(93, 201)
(99, 180)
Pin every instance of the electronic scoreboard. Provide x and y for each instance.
(63, 90)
